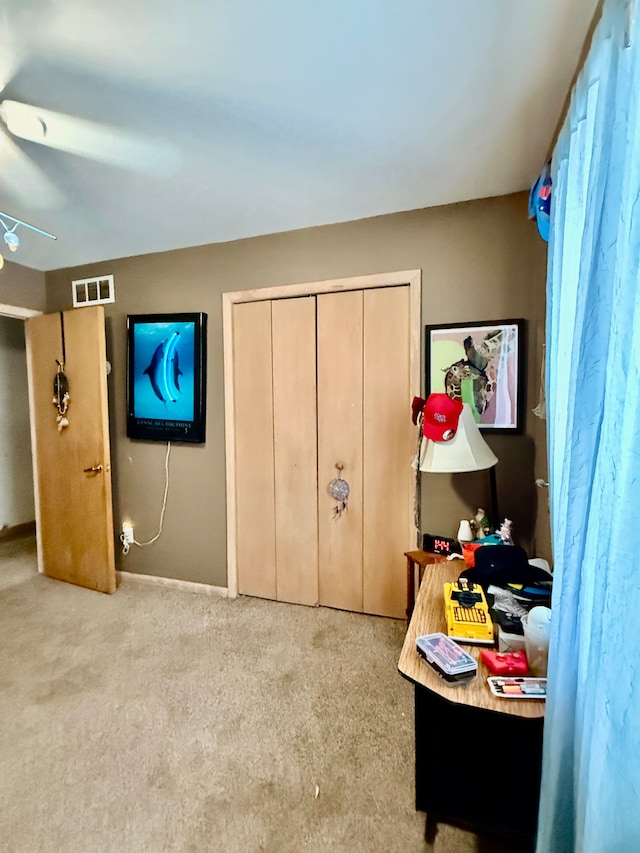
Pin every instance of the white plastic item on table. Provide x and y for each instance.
(537, 627)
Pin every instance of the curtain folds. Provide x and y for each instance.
(590, 796)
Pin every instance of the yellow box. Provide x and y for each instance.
(468, 619)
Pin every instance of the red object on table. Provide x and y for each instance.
(505, 663)
(469, 552)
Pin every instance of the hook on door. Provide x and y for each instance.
(95, 469)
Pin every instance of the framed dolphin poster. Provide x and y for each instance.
(166, 376)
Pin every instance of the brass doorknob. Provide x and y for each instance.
(96, 469)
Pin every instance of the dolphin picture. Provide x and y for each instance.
(164, 370)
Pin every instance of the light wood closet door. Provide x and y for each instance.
(295, 449)
(363, 423)
(340, 394)
(276, 449)
(254, 463)
(303, 403)
(387, 449)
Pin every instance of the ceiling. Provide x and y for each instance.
(247, 117)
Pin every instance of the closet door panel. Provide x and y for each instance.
(340, 328)
(255, 485)
(388, 449)
(295, 449)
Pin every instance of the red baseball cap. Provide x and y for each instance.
(441, 414)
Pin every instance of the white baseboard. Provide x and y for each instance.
(174, 583)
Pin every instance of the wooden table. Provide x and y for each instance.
(478, 758)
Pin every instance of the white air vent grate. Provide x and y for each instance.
(93, 291)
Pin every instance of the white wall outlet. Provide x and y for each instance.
(127, 533)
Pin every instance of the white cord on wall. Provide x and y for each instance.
(126, 545)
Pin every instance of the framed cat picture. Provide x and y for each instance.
(481, 364)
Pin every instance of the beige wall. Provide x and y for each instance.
(486, 261)
(22, 286)
(481, 260)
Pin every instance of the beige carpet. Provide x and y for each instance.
(154, 720)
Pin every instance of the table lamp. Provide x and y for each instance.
(466, 451)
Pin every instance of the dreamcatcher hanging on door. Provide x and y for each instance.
(61, 385)
(61, 396)
(338, 488)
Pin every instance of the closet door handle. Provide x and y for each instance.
(95, 469)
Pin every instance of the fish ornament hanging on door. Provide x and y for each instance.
(339, 491)
(61, 396)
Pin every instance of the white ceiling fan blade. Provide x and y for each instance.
(89, 139)
(23, 180)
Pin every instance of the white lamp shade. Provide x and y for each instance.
(467, 450)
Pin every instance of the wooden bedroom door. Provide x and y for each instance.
(319, 382)
(72, 466)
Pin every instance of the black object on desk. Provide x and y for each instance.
(440, 544)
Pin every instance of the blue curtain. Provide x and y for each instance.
(590, 797)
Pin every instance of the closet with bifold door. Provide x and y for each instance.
(321, 393)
